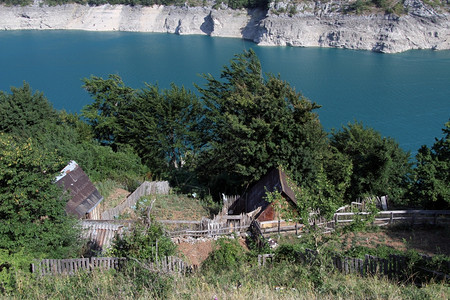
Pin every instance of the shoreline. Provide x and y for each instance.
(421, 28)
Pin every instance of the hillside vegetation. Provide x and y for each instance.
(231, 272)
(219, 140)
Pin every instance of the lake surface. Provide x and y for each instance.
(405, 96)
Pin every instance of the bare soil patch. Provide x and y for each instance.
(196, 252)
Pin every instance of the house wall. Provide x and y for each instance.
(95, 214)
(268, 214)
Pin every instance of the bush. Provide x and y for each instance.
(146, 242)
(9, 266)
(227, 255)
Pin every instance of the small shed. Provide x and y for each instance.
(100, 234)
(253, 200)
(84, 197)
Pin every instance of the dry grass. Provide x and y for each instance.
(252, 284)
(179, 207)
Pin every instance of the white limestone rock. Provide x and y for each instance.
(306, 24)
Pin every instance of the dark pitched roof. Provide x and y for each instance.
(84, 197)
(254, 197)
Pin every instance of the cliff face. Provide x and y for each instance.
(312, 24)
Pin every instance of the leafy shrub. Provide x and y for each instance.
(290, 253)
(227, 254)
(146, 242)
(9, 265)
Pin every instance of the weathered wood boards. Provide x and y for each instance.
(169, 264)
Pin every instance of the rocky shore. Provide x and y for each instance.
(309, 24)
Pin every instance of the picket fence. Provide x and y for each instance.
(146, 188)
(169, 264)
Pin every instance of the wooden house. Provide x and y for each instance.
(254, 199)
(84, 198)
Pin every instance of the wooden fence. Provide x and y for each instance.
(220, 225)
(393, 266)
(44, 267)
(71, 266)
(382, 218)
(413, 217)
(228, 201)
(146, 188)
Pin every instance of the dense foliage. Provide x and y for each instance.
(245, 123)
(227, 254)
(257, 123)
(144, 242)
(26, 114)
(32, 217)
(432, 173)
(239, 127)
(36, 143)
(380, 166)
(160, 125)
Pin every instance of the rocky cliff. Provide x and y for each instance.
(309, 24)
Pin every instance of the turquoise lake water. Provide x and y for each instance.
(405, 96)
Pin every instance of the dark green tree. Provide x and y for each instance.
(110, 97)
(254, 123)
(24, 113)
(432, 174)
(29, 114)
(380, 166)
(161, 125)
(32, 215)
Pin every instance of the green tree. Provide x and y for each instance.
(31, 115)
(380, 166)
(24, 113)
(32, 216)
(254, 123)
(162, 126)
(432, 174)
(110, 97)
